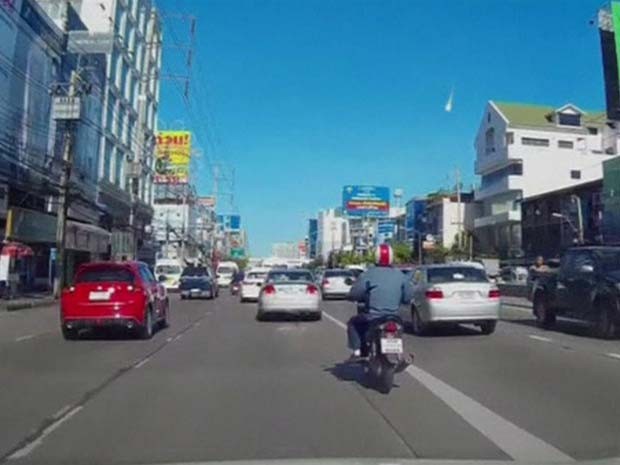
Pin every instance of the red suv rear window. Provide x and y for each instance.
(105, 274)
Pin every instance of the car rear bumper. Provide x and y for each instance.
(335, 294)
(104, 322)
(289, 307)
(199, 293)
(470, 312)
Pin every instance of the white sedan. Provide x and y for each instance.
(289, 292)
(251, 286)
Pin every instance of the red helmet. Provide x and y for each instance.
(384, 255)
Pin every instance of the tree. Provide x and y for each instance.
(437, 254)
(402, 252)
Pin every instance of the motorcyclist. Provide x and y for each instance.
(382, 289)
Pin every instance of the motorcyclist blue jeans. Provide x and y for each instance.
(356, 330)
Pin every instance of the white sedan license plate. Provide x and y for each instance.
(391, 346)
(99, 295)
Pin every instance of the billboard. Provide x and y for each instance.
(172, 157)
(609, 28)
(207, 201)
(366, 201)
(237, 253)
(229, 222)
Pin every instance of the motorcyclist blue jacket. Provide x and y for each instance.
(382, 290)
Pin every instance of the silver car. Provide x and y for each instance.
(453, 293)
(290, 292)
(336, 283)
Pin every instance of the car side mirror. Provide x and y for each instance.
(586, 269)
(349, 281)
(161, 278)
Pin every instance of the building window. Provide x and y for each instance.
(534, 141)
(575, 174)
(107, 161)
(593, 131)
(565, 144)
(510, 138)
(118, 169)
(568, 119)
(490, 140)
(488, 117)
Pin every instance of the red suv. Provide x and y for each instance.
(114, 294)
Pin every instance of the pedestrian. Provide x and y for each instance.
(539, 265)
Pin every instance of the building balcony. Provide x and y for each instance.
(506, 184)
(510, 216)
(492, 160)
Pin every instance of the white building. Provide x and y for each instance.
(126, 36)
(525, 150)
(445, 217)
(333, 232)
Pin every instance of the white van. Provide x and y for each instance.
(171, 268)
(225, 273)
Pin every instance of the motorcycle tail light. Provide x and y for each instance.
(390, 327)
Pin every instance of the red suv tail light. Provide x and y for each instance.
(312, 289)
(494, 294)
(434, 294)
(269, 289)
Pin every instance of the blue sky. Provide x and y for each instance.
(304, 96)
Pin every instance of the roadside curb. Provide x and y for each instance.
(11, 307)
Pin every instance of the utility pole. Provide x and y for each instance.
(67, 164)
(457, 175)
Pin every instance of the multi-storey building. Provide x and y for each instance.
(332, 232)
(527, 150)
(124, 36)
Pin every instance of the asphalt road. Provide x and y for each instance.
(218, 385)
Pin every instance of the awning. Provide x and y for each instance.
(87, 237)
(16, 250)
(33, 227)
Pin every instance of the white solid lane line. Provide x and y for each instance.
(540, 338)
(24, 338)
(142, 363)
(613, 355)
(514, 441)
(28, 448)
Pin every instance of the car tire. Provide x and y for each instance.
(163, 324)
(545, 316)
(145, 331)
(606, 326)
(317, 316)
(260, 316)
(69, 334)
(418, 327)
(488, 327)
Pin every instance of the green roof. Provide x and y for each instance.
(522, 114)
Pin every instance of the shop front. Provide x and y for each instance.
(37, 230)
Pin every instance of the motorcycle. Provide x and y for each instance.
(235, 288)
(383, 348)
